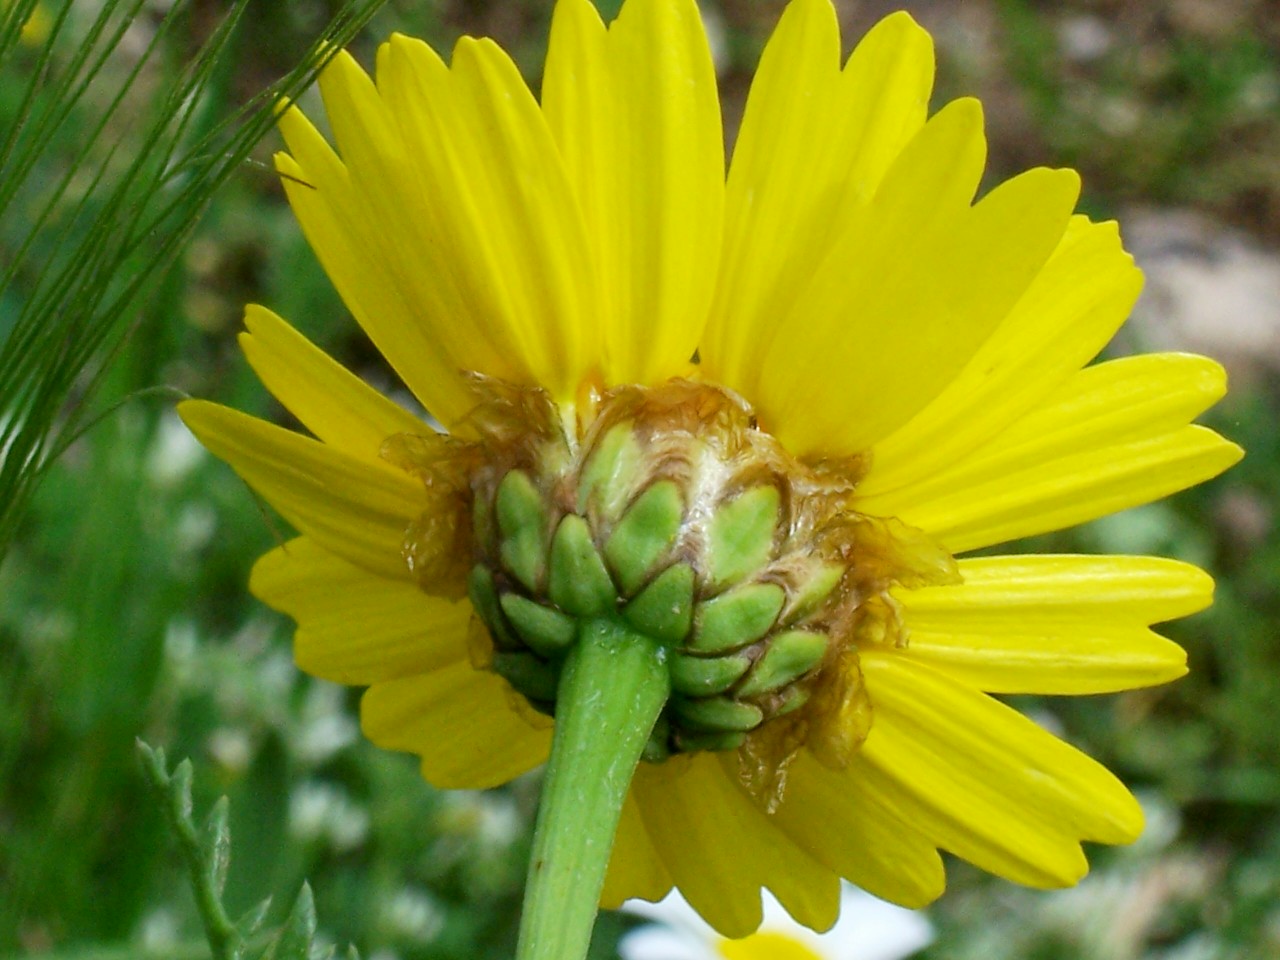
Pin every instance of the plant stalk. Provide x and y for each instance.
(612, 689)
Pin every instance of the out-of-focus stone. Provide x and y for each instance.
(1210, 289)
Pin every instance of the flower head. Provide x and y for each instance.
(886, 375)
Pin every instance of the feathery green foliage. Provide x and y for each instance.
(207, 853)
(84, 241)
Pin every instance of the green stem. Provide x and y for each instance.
(613, 687)
(207, 875)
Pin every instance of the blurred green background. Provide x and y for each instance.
(124, 613)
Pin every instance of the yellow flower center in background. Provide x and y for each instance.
(765, 946)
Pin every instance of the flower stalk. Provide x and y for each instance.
(614, 685)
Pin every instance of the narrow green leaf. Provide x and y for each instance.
(217, 844)
(251, 920)
(180, 790)
(294, 940)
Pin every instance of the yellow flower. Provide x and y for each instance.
(873, 328)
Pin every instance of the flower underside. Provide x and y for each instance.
(670, 511)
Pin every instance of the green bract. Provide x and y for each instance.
(666, 513)
(681, 535)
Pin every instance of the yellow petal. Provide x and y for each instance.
(524, 218)
(355, 627)
(980, 830)
(330, 401)
(462, 723)
(1055, 624)
(414, 106)
(635, 867)
(1092, 484)
(1125, 399)
(883, 102)
(351, 508)
(465, 203)
(720, 849)
(578, 101)
(814, 145)
(1108, 439)
(983, 781)
(347, 242)
(780, 180)
(905, 299)
(636, 115)
(497, 219)
(855, 834)
(1070, 311)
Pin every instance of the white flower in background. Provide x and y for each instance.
(412, 915)
(323, 812)
(868, 929)
(174, 452)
